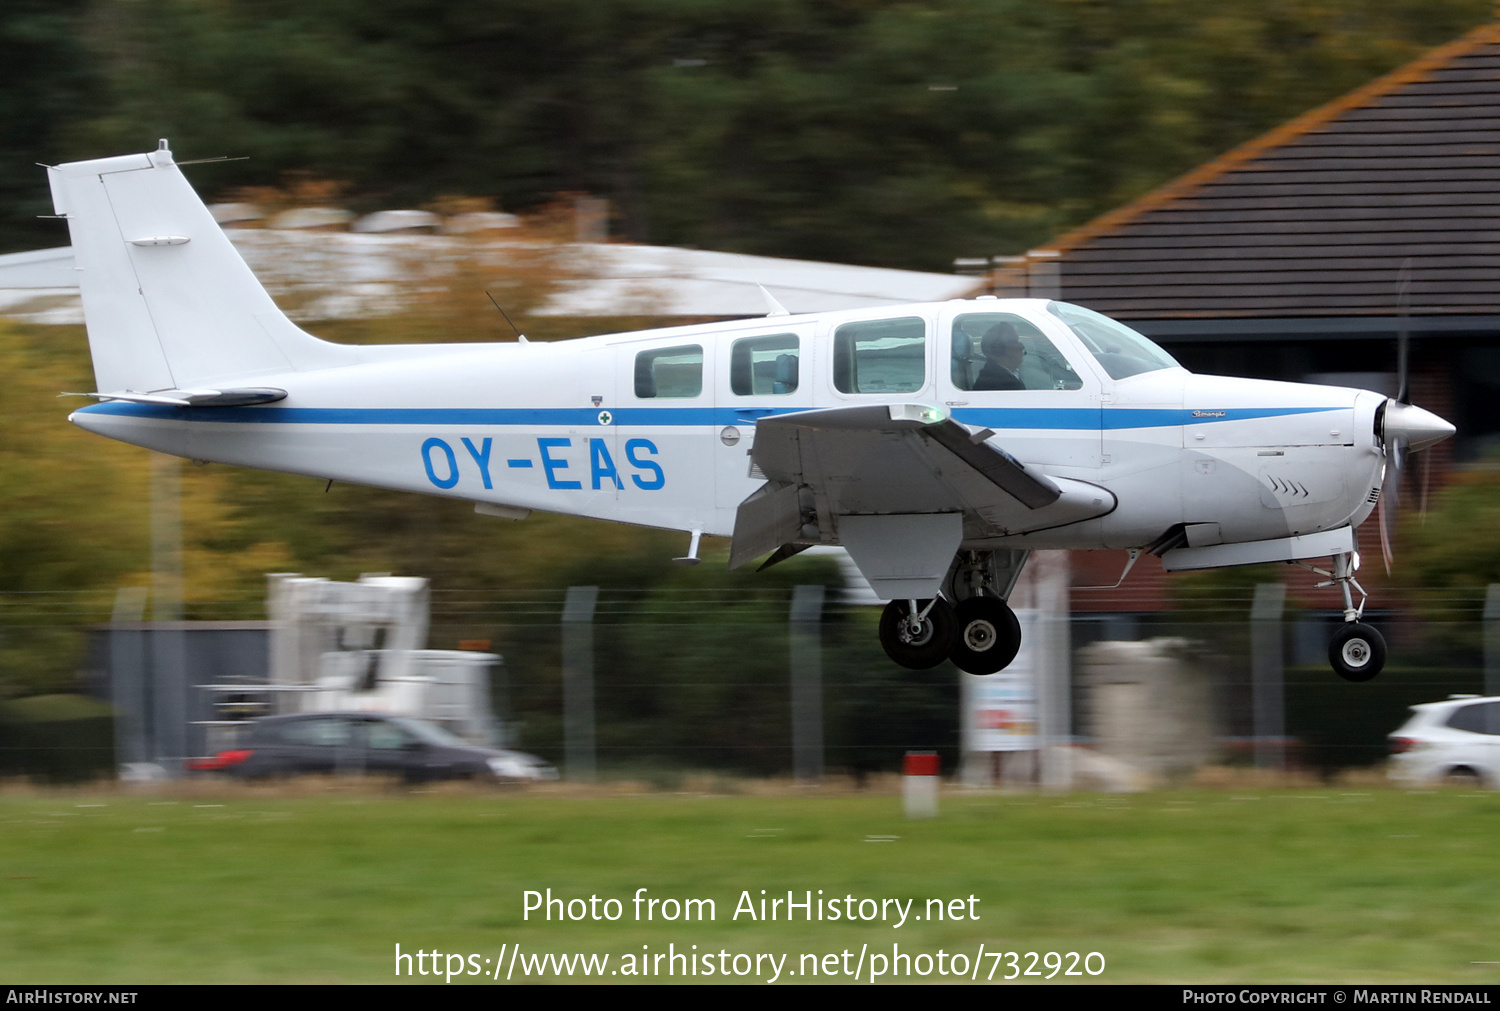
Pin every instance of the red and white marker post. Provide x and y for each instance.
(919, 784)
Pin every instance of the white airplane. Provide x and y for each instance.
(939, 443)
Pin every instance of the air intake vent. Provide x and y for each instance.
(1374, 495)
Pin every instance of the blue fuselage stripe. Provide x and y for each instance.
(1114, 418)
(1059, 418)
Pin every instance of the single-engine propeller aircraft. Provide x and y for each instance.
(938, 443)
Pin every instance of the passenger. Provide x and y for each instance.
(1003, 352)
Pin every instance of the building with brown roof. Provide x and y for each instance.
(1301, 254)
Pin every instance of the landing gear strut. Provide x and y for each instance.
(979, 633)
(1357, 650)
(989, 636)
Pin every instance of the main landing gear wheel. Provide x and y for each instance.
(1357, 652)
(988, 638)
(921, 643)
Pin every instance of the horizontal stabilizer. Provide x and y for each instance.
(194, 398)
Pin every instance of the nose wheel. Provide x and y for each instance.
(918, 634)
(988, 635)
(1357, 652)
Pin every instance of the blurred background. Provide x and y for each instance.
(582, 161)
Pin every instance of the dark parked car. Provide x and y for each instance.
(415, 750)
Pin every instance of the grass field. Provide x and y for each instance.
(1346, 885)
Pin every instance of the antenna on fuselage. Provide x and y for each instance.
(777, 309)
(517, 329)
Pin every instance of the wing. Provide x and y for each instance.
(892, 480)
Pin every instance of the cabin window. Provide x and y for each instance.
(764, 366)
(1002, 351)
(324, 731)
(880, 356)
(669, 372)
(1119, 350)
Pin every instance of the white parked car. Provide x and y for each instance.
(1454, 741)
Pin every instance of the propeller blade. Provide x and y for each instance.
(1404, 429)
(1385, 535)
(1403, 339)
(1426, 480)
(1390, 501)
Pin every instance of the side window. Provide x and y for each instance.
(761, 366)
(669, 372)
(386, 736)
(880, 356)
(326, 732)
(1002, 351)
(1483, 718)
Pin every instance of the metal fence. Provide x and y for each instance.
(763, 682)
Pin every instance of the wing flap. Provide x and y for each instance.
(765, 521)
(865, 444)
(1032, 489)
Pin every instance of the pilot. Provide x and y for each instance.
(1003, 352)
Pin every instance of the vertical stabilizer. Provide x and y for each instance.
(168, 301)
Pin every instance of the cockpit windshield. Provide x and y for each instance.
(1119, 350)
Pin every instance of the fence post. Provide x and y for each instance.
(128, 687)
(578, 682)
(167, 727)
(1267, 676)
(805, 638)
(1492, 640)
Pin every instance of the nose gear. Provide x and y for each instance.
(1357, 650)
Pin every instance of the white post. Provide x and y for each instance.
(1267, 705)
(1051, 590)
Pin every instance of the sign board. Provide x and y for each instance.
(1002, 712)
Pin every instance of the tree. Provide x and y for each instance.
(897, 134)
(46, 83)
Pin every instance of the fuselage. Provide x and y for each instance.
(655, 427)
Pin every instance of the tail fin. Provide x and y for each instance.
(168, 301)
